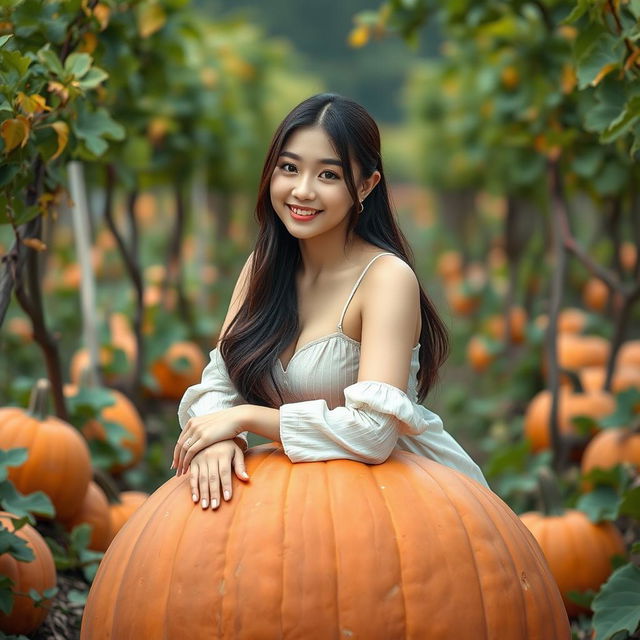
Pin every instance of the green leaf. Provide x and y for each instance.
(78, 64)
(625, 411)
(11, 458)
(617, 606)
(21, 505)
(51, 61)
(16, 61)
(604, 50)
(15, 546)
(5, 39)
(93, 78)
(625, 121)
(630, 505)
(578, 11)
(77, 597)
(600, 504)
(8, 172)
(6, 594)
(582, 598)
(617, 477)
(94, 127)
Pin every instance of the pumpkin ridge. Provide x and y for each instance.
(473, 553)
(138, 543)
(538, 553)
(330, 520)
(285, 529)
(374, 471)
(424, 468)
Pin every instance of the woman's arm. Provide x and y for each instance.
(376, 409)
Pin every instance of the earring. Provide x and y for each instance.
(361, 209)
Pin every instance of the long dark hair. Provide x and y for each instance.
(267, 321)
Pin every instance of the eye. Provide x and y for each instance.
(285, 167)
(330, 175)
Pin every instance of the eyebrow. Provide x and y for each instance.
(295, 156)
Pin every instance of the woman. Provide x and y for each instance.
(329, 341)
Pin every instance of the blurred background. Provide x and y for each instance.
(133, 134)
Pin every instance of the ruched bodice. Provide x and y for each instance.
(323, 368)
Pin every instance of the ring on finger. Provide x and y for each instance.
(188, 441)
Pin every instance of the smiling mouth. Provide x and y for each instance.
(303, 211)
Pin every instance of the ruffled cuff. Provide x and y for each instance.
(214, 392)
(365, 429)
(384, 398)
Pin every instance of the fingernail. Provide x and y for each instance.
(194, 497)
(172, 465)
(227, 495)
(245, 474)
(214, 504)
(204, 503)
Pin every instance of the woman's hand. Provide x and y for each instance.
(205, 430)
(211, 470)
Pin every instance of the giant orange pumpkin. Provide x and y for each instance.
(59, 462)
(339, 549)
(578, 551)
(39, 574)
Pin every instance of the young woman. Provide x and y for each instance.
(329, 342)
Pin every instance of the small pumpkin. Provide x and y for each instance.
(518, 324)
(59, 461)
(39, 574)
(405, 549)
(629, 353)
(479, 353)
(595, 294)
(624, 377)
(172, 382)
(576, 351)
(124, 412)
(595, 405)
(94, 511)
(122, 510)
(578, 551)
(611, 447)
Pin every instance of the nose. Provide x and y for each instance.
(303, 188)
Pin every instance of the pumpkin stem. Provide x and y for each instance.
(574, 378)
(550, 496)
(39, 400)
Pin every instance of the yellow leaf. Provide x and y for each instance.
(14, 132)
(151, 18)
(62, 129)
(34, 103)
(35, 243)
(102, 13)
(608, 68)
(88, 43)
(358, 37)
(569, 79)
(58, 88)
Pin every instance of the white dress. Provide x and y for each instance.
(327, 414)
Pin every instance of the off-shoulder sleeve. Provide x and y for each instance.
(214, 392)
(365, 429)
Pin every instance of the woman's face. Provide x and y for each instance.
(308, 189)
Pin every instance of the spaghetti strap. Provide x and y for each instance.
(355, 286)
